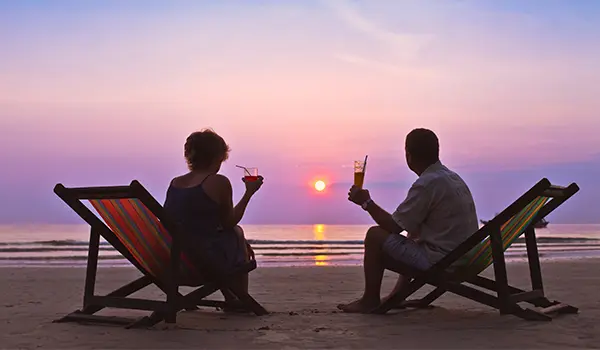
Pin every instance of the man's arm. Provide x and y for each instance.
(408, 216)
(383, 218)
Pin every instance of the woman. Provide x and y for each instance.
(201, 202)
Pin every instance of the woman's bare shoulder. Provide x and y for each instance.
(185, 181)
(218, 180)
(218, 188)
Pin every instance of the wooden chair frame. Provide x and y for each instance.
(459, 280)
(166, 310)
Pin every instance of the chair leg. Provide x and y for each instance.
(148, 321)
(559, 308)
(510, 308)
(529, 314)
(425, 301)
(171, 317)
(80, 317)
(489, 284)
(195, 298)
(400, 296)
(124, 291)
(250, 303)
(87, 313)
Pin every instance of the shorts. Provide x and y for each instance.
(406, 251)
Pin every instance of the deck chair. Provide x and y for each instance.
(138, 227)
(459, 271)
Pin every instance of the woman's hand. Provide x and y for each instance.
(253, 186)
(250, 251)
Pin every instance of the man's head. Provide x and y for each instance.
(422, 149)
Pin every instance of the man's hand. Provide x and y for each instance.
(357, 195)
(382, 218)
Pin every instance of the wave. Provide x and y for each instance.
(276, 258)
(75, 243)
(71, 242)
(63, 242)
(61, 258)
(24, 249)
(316, 249)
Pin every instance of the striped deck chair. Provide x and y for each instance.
(137, 226)
(460, 270)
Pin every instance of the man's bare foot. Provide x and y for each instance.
(388, 297)
(361, 306)
(403, 304)
(397, 305)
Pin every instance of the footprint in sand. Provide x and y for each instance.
(271, 336)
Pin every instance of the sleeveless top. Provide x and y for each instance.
(195, 212)
(198, 216)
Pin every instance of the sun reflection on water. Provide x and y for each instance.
(319, 234)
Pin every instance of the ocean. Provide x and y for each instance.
(274, 245)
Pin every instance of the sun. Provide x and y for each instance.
(320, 185)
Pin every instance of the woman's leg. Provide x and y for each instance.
(240, 282)
(243, 280)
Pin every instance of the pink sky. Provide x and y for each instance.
(299, 89)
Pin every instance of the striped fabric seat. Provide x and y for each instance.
(460, 272)
(143, 235)
(480, 257)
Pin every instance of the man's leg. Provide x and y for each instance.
(373, 270)
(407, 251)
(400, 283)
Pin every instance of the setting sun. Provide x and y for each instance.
(320, 185)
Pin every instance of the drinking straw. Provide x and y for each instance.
(246, 170)
(365, 166)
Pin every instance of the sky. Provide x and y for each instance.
(103, 92)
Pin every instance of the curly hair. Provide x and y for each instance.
(203, 148)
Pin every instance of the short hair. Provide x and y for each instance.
(203, 148)
(423, 146)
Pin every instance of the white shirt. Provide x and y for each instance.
(439, 210)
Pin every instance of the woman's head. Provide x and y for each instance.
(205, 150)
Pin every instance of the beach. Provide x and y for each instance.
(302, 302)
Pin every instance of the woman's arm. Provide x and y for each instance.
(240, 208)
(230, 215)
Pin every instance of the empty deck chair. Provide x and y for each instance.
(460, 270)
(137, 226)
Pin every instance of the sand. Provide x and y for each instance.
(303, 305)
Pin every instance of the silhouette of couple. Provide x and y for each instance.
(437, 214)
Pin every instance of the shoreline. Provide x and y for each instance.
(123, 263)
(302, 301)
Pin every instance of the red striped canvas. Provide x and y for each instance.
(141, 233)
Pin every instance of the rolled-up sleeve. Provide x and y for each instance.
(411, 213)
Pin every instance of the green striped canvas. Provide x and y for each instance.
(480, 257)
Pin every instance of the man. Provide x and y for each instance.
(438, 214)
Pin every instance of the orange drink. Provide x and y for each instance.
(359, 173)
